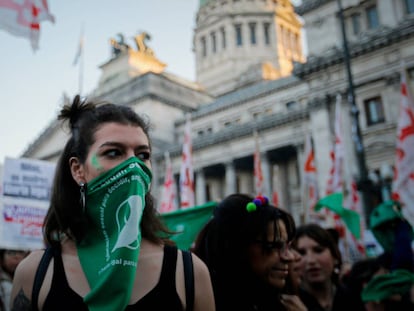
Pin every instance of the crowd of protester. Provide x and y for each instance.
(250, 256)
(316, 279)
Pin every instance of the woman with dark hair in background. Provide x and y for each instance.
(246, 246)
(321, 264)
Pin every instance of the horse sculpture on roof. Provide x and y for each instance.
(141, 45)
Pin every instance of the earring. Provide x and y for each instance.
(82, 190)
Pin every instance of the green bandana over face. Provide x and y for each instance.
(109, 252)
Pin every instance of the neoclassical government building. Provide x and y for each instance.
(253, 76)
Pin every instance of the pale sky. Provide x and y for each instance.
(32, 83)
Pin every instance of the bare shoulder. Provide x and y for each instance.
(199, 266)
(23, 281)
(204, 297)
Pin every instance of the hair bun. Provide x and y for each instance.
(72, 112)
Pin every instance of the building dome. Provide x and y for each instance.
(240, 42)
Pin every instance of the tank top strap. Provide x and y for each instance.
(58, 269)
(169, 265)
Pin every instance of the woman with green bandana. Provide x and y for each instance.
(102, 230)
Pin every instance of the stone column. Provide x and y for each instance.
(246, 182)
(267, 175)
(230, 178)
(200, 187)
(300, 151)
(216, 190)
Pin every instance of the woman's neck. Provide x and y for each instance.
(324, 293)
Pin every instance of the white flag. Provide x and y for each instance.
(311, 184)
(169, 196)
(335, 182)
(79, 52)
(351, 248)
(403, 183)
(276, 187)
(187, 172)
(23, 18)
(310, 176)
(353, 202)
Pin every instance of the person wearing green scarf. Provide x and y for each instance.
(393, 289)
(109, 249)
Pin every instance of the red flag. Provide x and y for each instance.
(23, 18)
(403, 182)
(187, 172)
(258, 175)
(168, 200)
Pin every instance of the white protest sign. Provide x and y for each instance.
(26, 187)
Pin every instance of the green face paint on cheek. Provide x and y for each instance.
(95, 163)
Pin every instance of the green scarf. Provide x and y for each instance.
(351, 218)
(383, 286)
(109, 252)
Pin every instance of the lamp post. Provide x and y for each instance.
(363, 182)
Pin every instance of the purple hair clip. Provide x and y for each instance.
(257, 202)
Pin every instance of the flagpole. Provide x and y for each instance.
(81, 60)
(364, 182)
(81, 75)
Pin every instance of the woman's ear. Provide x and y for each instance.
(77, 170)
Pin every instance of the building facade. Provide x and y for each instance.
(252, 76)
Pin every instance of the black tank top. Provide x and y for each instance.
(62, 297)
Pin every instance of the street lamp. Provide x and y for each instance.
(363, 182)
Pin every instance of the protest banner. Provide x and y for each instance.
(26, 193)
